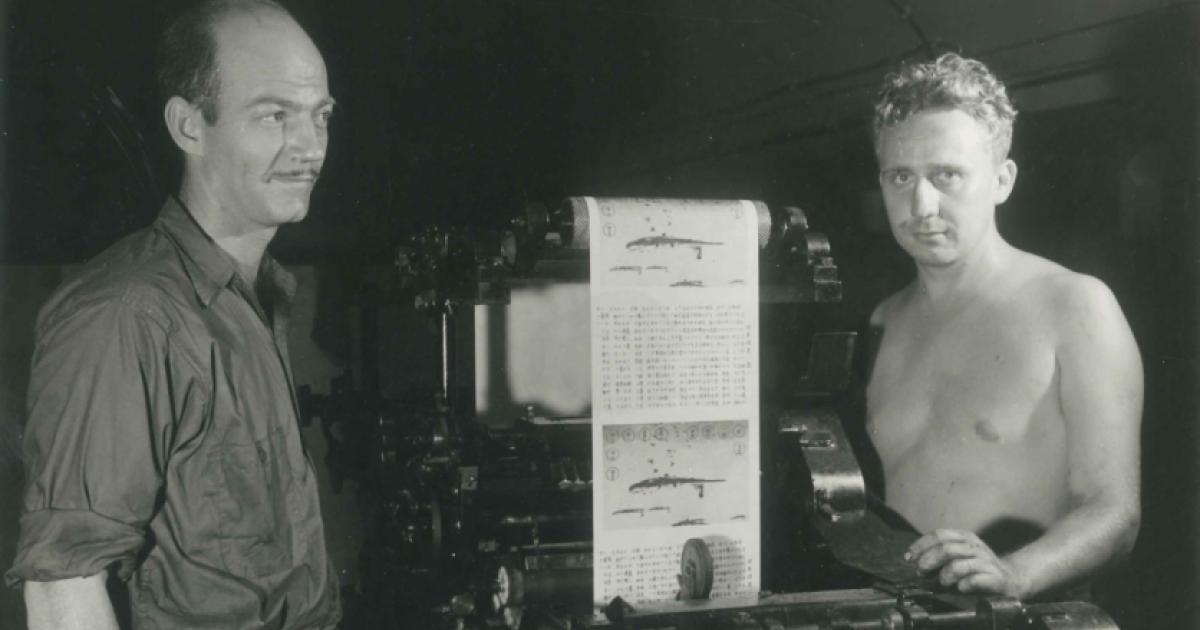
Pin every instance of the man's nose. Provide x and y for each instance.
(307, 141)
(925, 199)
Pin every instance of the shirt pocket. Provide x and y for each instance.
(249, 498)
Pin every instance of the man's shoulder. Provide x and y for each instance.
(1062, 291)
(1068, 301)
(140, 273)
(1043, 289)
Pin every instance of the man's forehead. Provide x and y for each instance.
(266, 46)
(941, 134)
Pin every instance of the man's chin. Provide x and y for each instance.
(932, 256)
(299, 214)
(291, 210)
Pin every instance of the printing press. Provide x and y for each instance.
(478, 485)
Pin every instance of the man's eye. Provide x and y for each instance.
(900, 178)
(323, 117)
(949, 177)
(275, 117)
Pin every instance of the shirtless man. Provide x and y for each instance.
(1005, 400)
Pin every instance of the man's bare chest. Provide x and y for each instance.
(978, 380)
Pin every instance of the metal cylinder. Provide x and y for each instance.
(571, 587)
(575, 211)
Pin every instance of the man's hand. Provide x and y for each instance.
(965, 562)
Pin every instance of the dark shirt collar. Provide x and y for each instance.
(281, 282)
(209, 267)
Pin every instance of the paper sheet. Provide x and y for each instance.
(674, 321)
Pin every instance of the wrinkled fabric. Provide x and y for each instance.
(162, 440)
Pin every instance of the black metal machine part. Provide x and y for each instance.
(857, 609)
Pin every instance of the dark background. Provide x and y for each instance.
(458, 112)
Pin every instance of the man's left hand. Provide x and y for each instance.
(965, 562)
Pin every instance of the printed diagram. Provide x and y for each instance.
(633, 268)
(662, 240)
(675, 474)
(670, 244)
(655, 483)
(638, 269)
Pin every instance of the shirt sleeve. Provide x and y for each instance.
(94, 441)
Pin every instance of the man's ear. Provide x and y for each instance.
(186, 125)
(1006, 178)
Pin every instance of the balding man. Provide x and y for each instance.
(1005, 399)
(162, 443)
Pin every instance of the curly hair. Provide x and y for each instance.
(187, 52)
(948, 82)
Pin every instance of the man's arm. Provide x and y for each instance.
(98, 426)
(1100, 392)
(71, 604)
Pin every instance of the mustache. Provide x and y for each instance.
(925, 226)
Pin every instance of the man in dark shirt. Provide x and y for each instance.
(162, 443)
